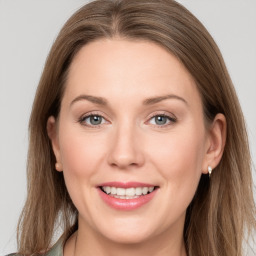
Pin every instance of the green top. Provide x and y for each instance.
(56, 250)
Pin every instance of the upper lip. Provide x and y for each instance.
(131, 184)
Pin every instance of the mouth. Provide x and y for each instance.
(127, 196)
(127, 193)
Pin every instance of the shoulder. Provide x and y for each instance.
(56, 250)
(13, 254)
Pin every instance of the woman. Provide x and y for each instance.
(137, 140)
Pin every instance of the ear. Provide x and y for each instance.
(52, 130)
(216, 139)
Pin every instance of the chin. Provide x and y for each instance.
(130, 237)
(126, 230)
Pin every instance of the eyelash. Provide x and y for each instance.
(171, 119)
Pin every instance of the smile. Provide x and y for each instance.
(127, 196)
(127, 193)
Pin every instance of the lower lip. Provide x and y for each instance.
(126, 204)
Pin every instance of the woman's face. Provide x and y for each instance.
(131, 121)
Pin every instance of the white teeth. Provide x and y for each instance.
(127, 193)
(138, 191)
(108, 190)
(120, 191)
(113, 191)
(151, 189)
(130, 192)
(145, 190)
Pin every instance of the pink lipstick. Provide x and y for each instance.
(126, 196)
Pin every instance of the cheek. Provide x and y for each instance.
(177, 151)
(81, 156)
(80, 152)
(178, 157)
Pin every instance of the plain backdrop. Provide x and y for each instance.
(27, 31)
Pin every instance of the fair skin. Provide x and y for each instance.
(163, 142)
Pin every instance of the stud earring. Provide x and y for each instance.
(209, 171)
(58, 167)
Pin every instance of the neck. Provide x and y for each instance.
(86, 243)
(113, 249)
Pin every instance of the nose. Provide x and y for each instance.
(126, 149)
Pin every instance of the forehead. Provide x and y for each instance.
(114, 68)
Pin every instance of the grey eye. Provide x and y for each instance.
(94, 119)
(161, 120)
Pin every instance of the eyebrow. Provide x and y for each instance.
(154, 100)
(146, 102)
(93, 99)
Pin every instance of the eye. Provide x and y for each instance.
(92, 120)
(162, 120)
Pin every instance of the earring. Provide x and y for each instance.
(209, 171)
(58, 167)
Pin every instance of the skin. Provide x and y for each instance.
(129, 145)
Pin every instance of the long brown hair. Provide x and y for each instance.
(223, 209)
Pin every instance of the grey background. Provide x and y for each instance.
(27, 31)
